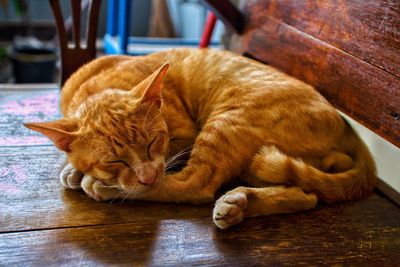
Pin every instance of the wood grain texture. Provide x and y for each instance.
(364, 92)
(31, 196)
(351, 234)
(368, 29)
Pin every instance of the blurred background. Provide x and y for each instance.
(28, 41)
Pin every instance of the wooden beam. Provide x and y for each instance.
(367, 29)
(364, 92)
(227, 13)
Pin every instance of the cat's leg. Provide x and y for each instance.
(242, 202)
(98, 191)
(70, 177)
(220, 152)
(193, 184)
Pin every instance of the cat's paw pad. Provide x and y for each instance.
(70, 177)
(96, 190)
(229, 209)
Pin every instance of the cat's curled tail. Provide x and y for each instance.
(341, 177)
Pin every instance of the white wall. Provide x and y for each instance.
(387, 156)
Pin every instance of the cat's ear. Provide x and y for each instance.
(60, 132)
(151, 86)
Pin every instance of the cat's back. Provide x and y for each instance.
(87, 80)
(196, 71)
(122, 72)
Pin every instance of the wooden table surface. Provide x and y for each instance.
(42, 224)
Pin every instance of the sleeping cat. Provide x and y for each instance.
(127, 120)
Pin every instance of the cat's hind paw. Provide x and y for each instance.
(71, 178)
(229, 209)
(96, 190)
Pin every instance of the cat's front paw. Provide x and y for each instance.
(229, 209)
(96, 190)
(71, 178)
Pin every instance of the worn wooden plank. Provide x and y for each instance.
(19, 105)
(31, 196)
(366, 93)
(368, 29)
(365, 233)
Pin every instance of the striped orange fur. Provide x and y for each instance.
(128, 119)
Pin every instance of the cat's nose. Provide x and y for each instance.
(146, 174)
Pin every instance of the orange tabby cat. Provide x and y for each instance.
(126, 120)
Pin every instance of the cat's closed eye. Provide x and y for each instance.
(149, 146)
(118, 162)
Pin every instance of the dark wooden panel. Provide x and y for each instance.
(366, 93)
(228, 13)
(31, 196)
(367, 29)
(365, 233)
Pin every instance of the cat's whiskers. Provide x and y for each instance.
(114, 198)
(126, 197)
(132, 196)
(179, 154)
(183, 150)
(154, 125)
(147, 126)
(173, 164)
(171, 137)
(172, 159)
(148, 111)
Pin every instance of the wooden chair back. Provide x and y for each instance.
(72, 57)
